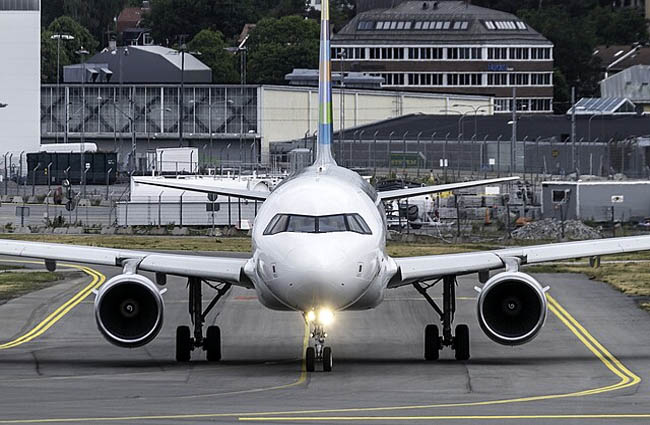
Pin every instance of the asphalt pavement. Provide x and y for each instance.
(590, 364)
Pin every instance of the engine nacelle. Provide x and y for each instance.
(129, 310)
(512, 308)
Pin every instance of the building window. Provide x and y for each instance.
(374, 53)
(519, 53)
(477, 53)
(519, 79)
(497, 53)
(502, 105)
(19, 5)
(418, 25)
(365, 25)
(500, 79)
(540, 79)
(540, 53)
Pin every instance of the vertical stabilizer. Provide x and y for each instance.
(325, 131)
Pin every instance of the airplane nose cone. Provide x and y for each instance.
(323, 278)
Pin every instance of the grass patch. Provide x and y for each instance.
(13, 285)
(171, 243)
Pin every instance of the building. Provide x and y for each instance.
(596, 200)
(142, 65)
(632, 83)
(642, 5)
(227, 122)
(614, 59)
(20, 76)
(129, 25)
(453, 47)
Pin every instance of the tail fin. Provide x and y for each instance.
(325, 131)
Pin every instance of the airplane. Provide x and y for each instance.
(319, 248)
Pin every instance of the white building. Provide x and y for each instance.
(20, 76)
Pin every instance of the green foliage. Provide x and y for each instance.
(63, 25)
(96, 15)
(341, 12)
(277, 46)
(211, 45)
(171, 18)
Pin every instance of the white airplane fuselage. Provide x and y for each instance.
(335, 270)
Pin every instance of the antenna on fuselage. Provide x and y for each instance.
(325, 130)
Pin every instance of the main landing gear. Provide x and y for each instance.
(433, 342)
(211, 343)
(320, 352)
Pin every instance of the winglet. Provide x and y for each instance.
(325, 130)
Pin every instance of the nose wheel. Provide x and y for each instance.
(319, 353)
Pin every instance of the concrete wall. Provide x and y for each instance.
(289, 113)
(593, 200)
(20, 80)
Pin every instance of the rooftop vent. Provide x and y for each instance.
(425, 6)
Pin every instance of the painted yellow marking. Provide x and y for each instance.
(627, 378)
(451, 418)
(97, 280)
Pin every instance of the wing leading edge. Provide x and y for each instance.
(255, 195)
(425, 190)
(413, 269)
(224, 269)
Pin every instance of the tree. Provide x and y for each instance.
(97, 15)
(212, 47)
(82, 37)
(171, 18)
(277, 46)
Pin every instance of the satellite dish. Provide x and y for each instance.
(212, 197)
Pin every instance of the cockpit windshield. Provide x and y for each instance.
(322, 224)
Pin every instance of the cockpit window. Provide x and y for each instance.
(322, 224)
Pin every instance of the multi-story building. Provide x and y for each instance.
(451, 47)
(20, 76)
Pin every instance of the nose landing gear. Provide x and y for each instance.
(320, 352)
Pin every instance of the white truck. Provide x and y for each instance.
(177, 160)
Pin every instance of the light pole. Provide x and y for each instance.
(83, 53)
(58, 38)
(125, 52)
(133, 139)
(475, 109)
(242, 50)
(342, 56)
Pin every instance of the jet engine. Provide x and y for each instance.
(512, 308)
(129, 310)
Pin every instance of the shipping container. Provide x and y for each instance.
(98, 164)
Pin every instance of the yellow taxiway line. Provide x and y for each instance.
(627, 379)
(97, 280)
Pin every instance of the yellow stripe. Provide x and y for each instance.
(451, 418)
(627, 379)
(54, 317)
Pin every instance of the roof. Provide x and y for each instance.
(632, 83)
(175, 57)
(619, 57)
(152, 64)
(129, 17)
(450, 21)
(603, 105)
(605, 127)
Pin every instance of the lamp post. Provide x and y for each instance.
(83, 53)
(242, 50)
(58, 38)
(133, 139)
(475, 109)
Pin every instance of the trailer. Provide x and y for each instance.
(52, 168)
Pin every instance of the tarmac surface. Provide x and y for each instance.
(590, 364)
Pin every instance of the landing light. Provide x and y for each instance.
(325, 316)
(311, 316)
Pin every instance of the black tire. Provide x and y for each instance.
(213, 344)
(461, 342)
(431, 343)
(183, 344)
(327, 359)
(310, 359)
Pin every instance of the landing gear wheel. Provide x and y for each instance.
(431, 343)
(327, 359)
(212, 344)
(461, 342)
(310, 359)
(183, 344)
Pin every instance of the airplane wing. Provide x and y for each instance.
(424, 190)
(256, 195)
(414, 269)
(223, 269)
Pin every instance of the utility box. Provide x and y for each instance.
(177, 160)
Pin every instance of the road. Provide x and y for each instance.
(591, 364)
